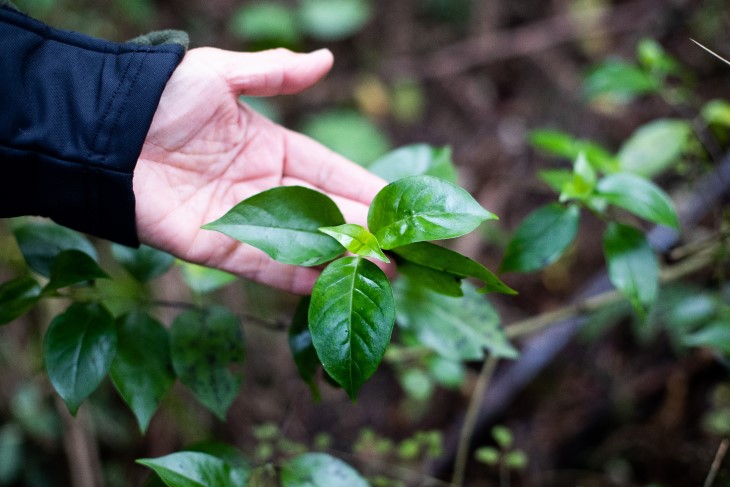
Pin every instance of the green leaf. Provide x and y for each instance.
(78, 350)
(632, 266)
(357, 240)
(541, 238)
(556, 178)
(438, 281)
(415, 160)
(448, 373)
(351, 318)
(73, 267)
(195, 469)
(715, 335)
(654, 147)
(268, 22)
(284, 222)
(583, 182)
(319, 470)
(565, 145)
(421, 208)
(638, 196)
(717, 112)
(204, 345)
(455, 328)
(203, 280)
(40, 243)
(302, 349)
(653, 57)
(228, 453)
(144, 263)
(142, 369)
(17, 297)
(331, 20)
(488, 455)
(438, 258)
(502, 436)
(619, 82)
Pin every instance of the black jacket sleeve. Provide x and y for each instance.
(74, 113)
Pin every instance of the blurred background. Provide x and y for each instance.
(621, 408)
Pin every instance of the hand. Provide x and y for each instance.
(206, 151)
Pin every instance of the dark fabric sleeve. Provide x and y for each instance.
(74, 113)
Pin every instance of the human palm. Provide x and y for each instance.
(206, 151)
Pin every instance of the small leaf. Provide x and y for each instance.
(565, 145)
(541, 238)
(78, 350)
(203, 280)
(357, 240)
(717, 112)
(503, 436)
(195, 469)
(448, 373)
(331, 20)
(516, 460)
(17, 297)
(421, 208)
(204, 344)
(302, 349)
(715, 335)
(654, 147)
(284, 222)
(653, 57)
(415, 160)
(488, 455)
(438, 258)
(144, 263)
(556, 178)
(351, 318)
(632, 266)
(619, 82)
(142, 369)
(73, 267)
(266, 22)
(40, 243)
(319, 470)
(638, 196)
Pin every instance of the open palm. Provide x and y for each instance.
(206, 151)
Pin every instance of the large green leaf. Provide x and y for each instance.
(357, 240)
(17, 297)
(541, 238)
(331, 20)
(654, 147)
(142, 369)
(319, 470)
(196, 469)
(456, 328)
(40, 243)
(415, 160)
(204, 345)
(439, 281)
(351, 319)
(632, 266)
(421, 208)
(78, 350)
(638, 196)
(73, 267)
(441, 259)
(302, 349)
(203, 280)
(618, 81)
(144, 263)
(284, 222)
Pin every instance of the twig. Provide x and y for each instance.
(717, 462)
(470, 421)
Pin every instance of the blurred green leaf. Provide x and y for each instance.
(143, 263)
(562, 144)
(416, 383)
(556, 178)
(488, 455)
(653, 57)
(516, 460)
(717, 112)
(203, 280)
(356, 239)
(40, 243)
(319, 470)
(302, 349)
(195, 469)
(415, 160)
(583, 182)
(654, 147)
(73, 267)
(17, 297)
(11, 453)
(715, 335)
(331, 20)
(503, 436)
(638, 196)
(270, 22)
(618, 81)
(448, 373)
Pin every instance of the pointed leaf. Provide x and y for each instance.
(421, 208)
(415, 160)
(438, 281)
(565, 145)
(40, 243)
(203, 280)
(142, 369)
(541, 238)
(195, 469)
(73, 267)
(438, 258)
(618, 81)
(351, 319)
(638, 196)
(204, 345)
(357, 240)
(319, 470)
(17, 297)
(228, 453)
(632, 265)
(144, 263)
(302, 349)
(556, 178)
(654, 147)
(78, 350)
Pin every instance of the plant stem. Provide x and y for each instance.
(717, 462)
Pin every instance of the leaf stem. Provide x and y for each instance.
(717, 462)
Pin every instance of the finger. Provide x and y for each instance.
(273, 72)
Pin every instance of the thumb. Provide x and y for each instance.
(273, 72)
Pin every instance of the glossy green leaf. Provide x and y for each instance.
(415, 160)
(301, 346)
(455, 328)
(632, 266)
(40, 243)
(284, 222)
(73, 267)
(541, 238)
(439, 258)
(638, 196)
(421, 208)
(357, 240)
(144, 263)
(78, 350)
(142, 369)
(228, 453)
(17, 297)
(331, 20)
(205, 344)
(203, 280)
(439, 281)
(268, 22)
(319, 470)
(619, 82)
(654, 147)
(351, 319)
(565, 145)
(195, 469)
